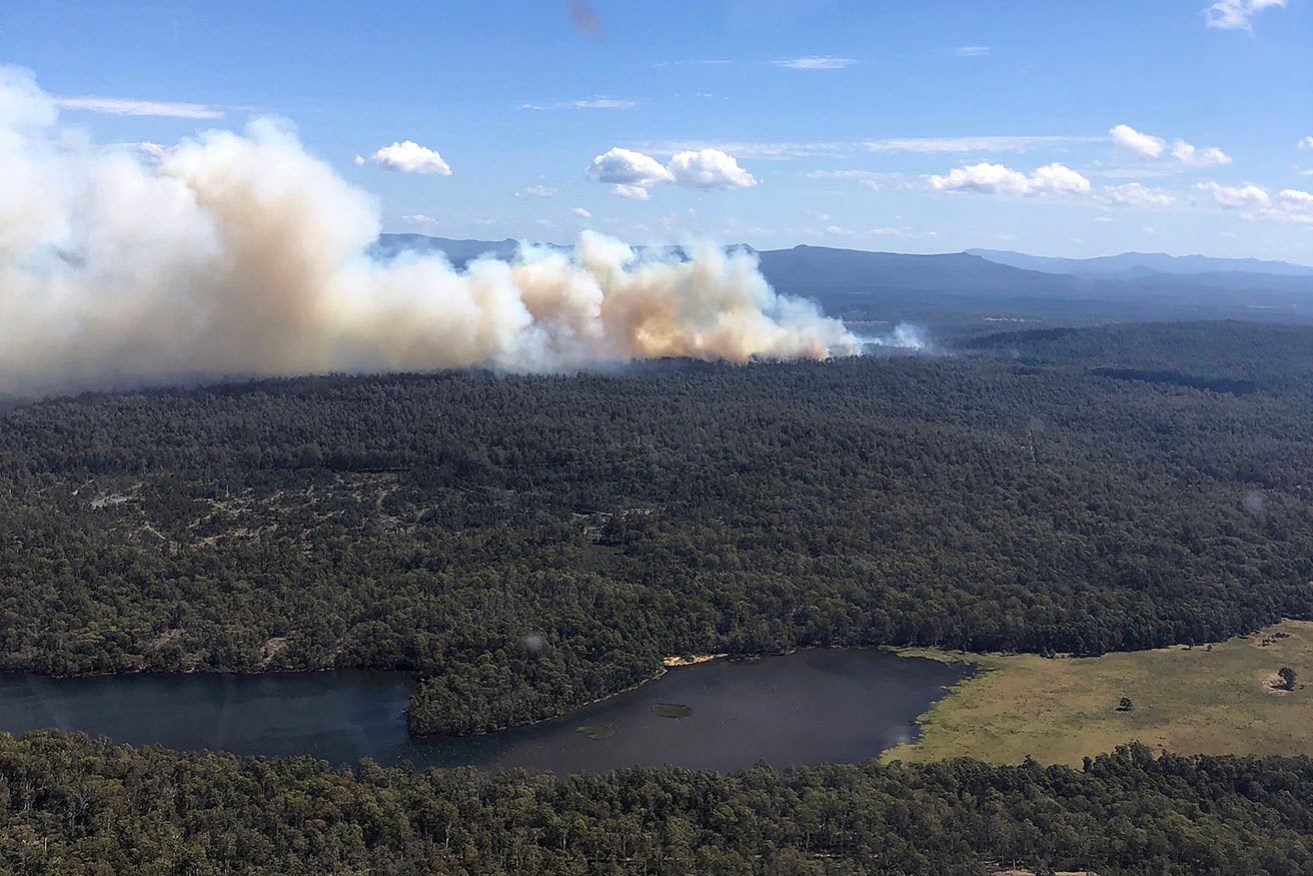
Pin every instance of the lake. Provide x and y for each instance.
(811, 706)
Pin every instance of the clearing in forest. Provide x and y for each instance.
(1216, 699)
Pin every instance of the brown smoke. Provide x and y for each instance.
(242, 254)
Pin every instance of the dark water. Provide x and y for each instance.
(807, 707)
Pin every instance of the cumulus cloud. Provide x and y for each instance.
(1191, 156)
(632, 174)
(1149, 146)
(631, 192)
(408, 157)
(1236, 14)
(581, 213)
(1305, 142)
(1132, 140)
(419, 219)
(1297, 196)
(709, 169)
(241, 253)
(627, 167)
(996, 179)
(1136, 195)
(1290, 205)
(1248, 196)
(814, 62)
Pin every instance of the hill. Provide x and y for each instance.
(1135, 264)
(985, 290)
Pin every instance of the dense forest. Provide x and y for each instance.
(527, 544)
(73, 806)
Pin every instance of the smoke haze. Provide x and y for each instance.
(242, 254)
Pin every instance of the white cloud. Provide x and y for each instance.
(1149, 146)
(1136, 195)
(535, 191)
(1247, 197)
(408, 157)
(984, 178)
(995, 179)
(709, 169)
(586, 103)
(419, 219)
(581, 213)
(1305, 142)
(815, 62)
(1058, 179)
(1141, 144)
(873, 180)
(1290, 205)
(838, 148)
(1102, 219)
(1188, 155)
(632, 192)
(633, 173)
(126, 106)
(766, 151)
(903, 231)
(933, 145)
(1236, 14)
(971, 51)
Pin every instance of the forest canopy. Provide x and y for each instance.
(76, 807)
(528, 544)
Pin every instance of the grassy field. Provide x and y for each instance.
(1198, 700)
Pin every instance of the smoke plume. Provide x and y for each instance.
(233, 254)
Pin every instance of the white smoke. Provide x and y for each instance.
(903, 337)
(236, 254)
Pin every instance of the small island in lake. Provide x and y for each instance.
(597, 732)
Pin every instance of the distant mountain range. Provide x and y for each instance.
(1140, 263)
(989, 289)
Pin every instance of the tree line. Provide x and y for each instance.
(73, 806)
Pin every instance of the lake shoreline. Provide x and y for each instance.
(833, 705)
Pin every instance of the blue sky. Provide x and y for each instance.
(928, 126)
